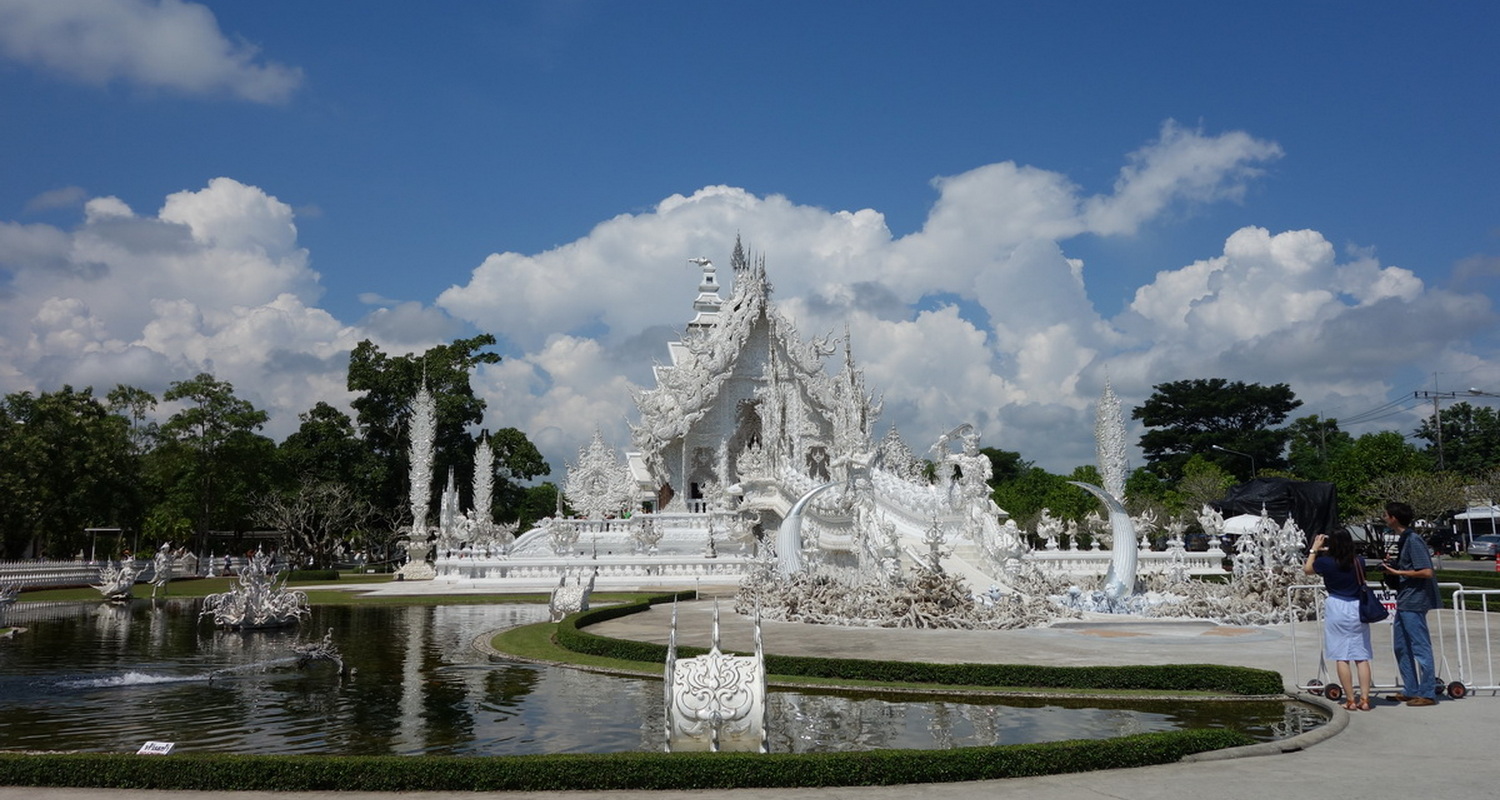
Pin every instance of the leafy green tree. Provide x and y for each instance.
(66, 464)
(135, 405)
(536, 503)
(516, 460)
(211, 463)
(1368, 457)
(383, 414)
(1024, 496)
(389, 384)
(326, 449)
(1203, 481)
(1313, 444)
(1193, 416)
(1470, 439)
(1004, 464)
(1144, 487)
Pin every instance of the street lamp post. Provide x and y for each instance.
(1253, 471)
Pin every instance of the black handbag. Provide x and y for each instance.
(1370, 607)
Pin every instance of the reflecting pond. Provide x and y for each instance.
(94, 677)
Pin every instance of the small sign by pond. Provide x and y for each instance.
(155, 748)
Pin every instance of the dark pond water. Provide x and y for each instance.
(94, 677)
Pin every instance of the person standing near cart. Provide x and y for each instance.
(1416, 595)
(1346, 639)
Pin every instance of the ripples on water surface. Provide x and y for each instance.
(100, 678)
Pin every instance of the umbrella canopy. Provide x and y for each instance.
(1244, 523)
(1479, 512)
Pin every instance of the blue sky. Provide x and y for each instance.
(1007, 202)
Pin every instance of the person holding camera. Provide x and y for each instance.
(1346, 639)
(1416, 594)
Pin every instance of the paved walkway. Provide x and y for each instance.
(1447, 752)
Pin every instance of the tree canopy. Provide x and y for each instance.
(66, 464)
(211, 462)
(1191, 417)
(390, 383)
(1467, 441)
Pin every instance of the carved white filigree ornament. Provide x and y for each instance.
(715, 702)
(599, 486)
(117, 582)
(256, 600)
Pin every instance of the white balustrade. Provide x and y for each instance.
(49, 573)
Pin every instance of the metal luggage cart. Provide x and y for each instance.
(1333, 691)
(1469, 679)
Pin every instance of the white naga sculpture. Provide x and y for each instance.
(8, 594)
(789, 536)
(117, 582)
(715, 702)
(1119, 581)
(571, 599)
(1109, 439)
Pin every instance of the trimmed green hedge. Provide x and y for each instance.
(614, 771)
(1167, 677)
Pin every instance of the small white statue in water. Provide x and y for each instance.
(117, 581)
(256, 601)
(162, 565)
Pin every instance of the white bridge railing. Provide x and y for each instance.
(1095, 562)
(58, 572)
(49, 573)
(721, 568)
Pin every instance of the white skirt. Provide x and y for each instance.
(1345, 638)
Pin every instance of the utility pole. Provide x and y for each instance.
(1437, 419)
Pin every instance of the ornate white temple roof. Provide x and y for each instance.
(795, 400)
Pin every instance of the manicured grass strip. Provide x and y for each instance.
(535, 642)
(1214, 678)
(617, 771)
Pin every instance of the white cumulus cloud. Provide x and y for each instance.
(982, 315)
(168, 44)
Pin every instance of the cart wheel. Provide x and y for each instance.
(1315, 687)
(1333, 692)
(1457, 690)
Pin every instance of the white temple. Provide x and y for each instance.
(745, 421)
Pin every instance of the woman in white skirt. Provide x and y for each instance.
(1345, 638)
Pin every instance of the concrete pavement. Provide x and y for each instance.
(1391, 753)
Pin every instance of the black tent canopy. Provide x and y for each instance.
(1313, 504)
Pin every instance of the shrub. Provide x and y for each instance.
(611, 771)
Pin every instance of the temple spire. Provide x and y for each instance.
(708, 301)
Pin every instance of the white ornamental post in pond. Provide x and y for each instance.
(423, 437)
(716, 702)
